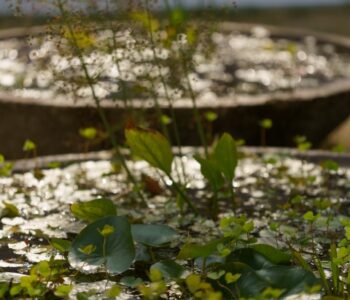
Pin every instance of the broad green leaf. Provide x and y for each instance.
(93, 210)
(170, 269)
(152, 147)
(210, 171)
(226, 157)
(191, 250)
(60, 244)
(131, 281)
(153, 235)
(258, 273)
(273, 254)
(118, 253)
(142, 253)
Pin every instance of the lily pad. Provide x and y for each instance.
(153, 235)
(191, 250)
(259, 273)
(115, 251)
(170, 269)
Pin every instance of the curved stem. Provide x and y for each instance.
(97, 100)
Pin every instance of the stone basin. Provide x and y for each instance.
(54, 123)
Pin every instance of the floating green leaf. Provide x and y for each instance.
(152, 234)
(272, 254)
(152, 147)
(170, 269)
(93, 210)
(115, 251)
(258, 273)
(191, 250)
(131, 281)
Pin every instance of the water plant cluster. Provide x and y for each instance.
(159, 221)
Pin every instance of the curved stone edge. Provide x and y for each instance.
(314, 156)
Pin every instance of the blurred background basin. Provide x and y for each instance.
(314, 113)
(310, 110)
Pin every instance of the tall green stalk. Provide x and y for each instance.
(165, 86)
(100, 110)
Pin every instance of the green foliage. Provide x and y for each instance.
(62, 291)
(258, 273)
(225, 155)
(191, 250)
(211, 116)
(170, 269)
(5, 167)
(114, 291)
(9, 210)
(88, 133)
(29, 146)
(221, 164)
(266, 123)
(310, 216)
(200, 289)
(152, 147)
(94, 209)
(115, 251)
(330, 165)
(302, 143)
(60, 245)
(131, 281)
(153, 235)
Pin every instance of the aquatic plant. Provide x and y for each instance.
(219, 241)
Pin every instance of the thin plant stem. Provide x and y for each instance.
(176, 186)
(165, 86)
(97, 101)
(194, 106)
